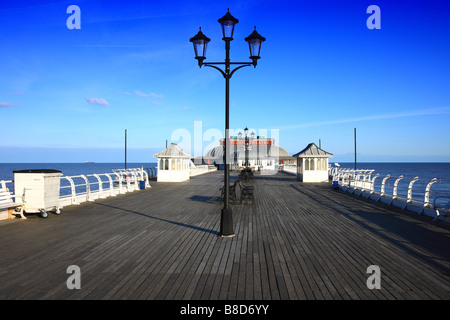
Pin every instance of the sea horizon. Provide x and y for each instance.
(331, 162)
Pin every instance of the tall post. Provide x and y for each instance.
(200, 41)
(125, 149)
(246, 152)
(226, 221)
(355, 147)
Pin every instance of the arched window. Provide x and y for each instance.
(166, 164)
(178, 165)
(161, 164)
(311, 165)
(306, 164)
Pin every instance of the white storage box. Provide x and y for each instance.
(38, 189)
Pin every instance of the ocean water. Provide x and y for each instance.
(68, 169)
(424, 171)
(71, 169)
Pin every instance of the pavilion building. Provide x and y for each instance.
(174, 164)
(312, 164)
(263, 154)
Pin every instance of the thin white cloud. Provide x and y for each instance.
(5, 104)
(147, 95)
(97, 101)
(413, 113)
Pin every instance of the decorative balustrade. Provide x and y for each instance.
(80, 188)
(90, 187)
(424, 196)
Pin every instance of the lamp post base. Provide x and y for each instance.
(226, 223)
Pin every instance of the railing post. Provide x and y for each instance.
(73, 191)
(88, 191)
(409, 197)
(147, 180)
(394, 191)
(127, 178)
(111, 185)
(100, 186)
(426, 200)
(135, 175)
(119, 181)
(372, 187)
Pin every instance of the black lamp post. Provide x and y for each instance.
(200, 42)
(246, 148)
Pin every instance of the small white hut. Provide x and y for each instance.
(312, 164)
(173, 164)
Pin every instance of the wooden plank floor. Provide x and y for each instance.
(298, 241)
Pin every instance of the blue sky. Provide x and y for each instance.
(67, 95)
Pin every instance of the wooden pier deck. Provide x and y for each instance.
(296, 242)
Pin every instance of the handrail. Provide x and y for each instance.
(76, 189)
(92, 186)
(414, 194)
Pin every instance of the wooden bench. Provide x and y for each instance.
(246, 175)
(6, 202)
(246, 192)
(231, 195)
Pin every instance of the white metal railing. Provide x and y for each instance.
(431, 197)
(81, 188)
(8, 186)
(152, 172)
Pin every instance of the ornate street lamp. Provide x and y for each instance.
(200, 42)
(254, 44)
(246, 148)
(228, 22)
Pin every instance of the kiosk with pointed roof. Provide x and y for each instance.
(173, 164)
(312, 164)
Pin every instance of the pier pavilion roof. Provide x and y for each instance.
(173, 151)
(256, 152)
(312, 150)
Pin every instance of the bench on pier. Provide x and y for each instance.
(6, 202)
(246, 192)
(231, 195)
(246, 175)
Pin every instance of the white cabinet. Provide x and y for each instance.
(38, 189)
